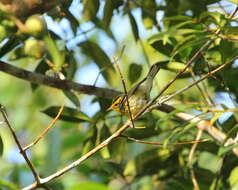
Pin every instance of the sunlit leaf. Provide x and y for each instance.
(88, 186)
(8, 185)
(100, 58)
(90, 9)
(68, 114)
(214, 161)
(233, 178)
(55, 54)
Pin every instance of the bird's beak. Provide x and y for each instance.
(110, 108)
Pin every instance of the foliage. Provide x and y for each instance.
(79, 45)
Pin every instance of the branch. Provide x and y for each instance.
(81, 159)
(35, 174)
(67, 85)
(46, 130)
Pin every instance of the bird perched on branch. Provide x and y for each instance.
(138, 96)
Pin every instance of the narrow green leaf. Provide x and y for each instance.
(73, 21)
(90, 9)
(56, 55)
(9, 45)
(42, 67)
(134, 73)
(134, 26)
(100, 58)
(73, 98)
(107, 14)
(224, 149)
(1, 146)
(68, 114)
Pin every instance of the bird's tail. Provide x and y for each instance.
(154, 69)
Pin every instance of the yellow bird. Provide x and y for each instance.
(138, 96)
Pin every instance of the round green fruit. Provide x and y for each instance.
(35, 25)
(34, 48)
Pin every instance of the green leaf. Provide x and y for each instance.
(101, 59)
(90, 9)
(90, 141)
(8, 185)
(42, 67)
(134, 26)
(1, 146)
(68, 114)
(88, 186)
(224, 149)
(233, 178)
(107, 14)
(73, 98)
(134, 73)
(149, 13)
(209, 161)
(56, 55)
(71, 68)
(9, 45)
(73, 21)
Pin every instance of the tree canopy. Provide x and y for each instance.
(63, 62)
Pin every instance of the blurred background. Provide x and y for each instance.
(77, 40)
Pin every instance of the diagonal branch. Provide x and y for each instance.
(34, 172)
(67, 85)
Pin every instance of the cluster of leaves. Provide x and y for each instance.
(185, 27)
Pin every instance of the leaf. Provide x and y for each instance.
(101, 59)
(71, 68)
(1, 146)
(90, 141)
(9, 45)
(224, 149)
(73, 21)
(73, 98)
(134, 26)
(134, 73)
(88, 186)
(233, 178)
(90, 9)
(149, 13)
(8, 185)
(68, 114)
(165, 49)
(107, 14)
(209, 161)
(42, 67)
(55, 54)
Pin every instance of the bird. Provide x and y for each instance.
(138, 96)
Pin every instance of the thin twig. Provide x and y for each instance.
(199, 80)
(160, 144)
(124, 86)
(82, 158)
(46, 130)
(34, 172)
(190, 161)
(194, 57)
